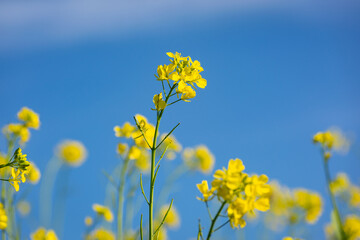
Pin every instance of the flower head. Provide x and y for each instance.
(103, 211)
(29, 117)
(43, 234)
(73, 153)
(3, 217)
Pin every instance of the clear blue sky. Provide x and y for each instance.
(277, 73)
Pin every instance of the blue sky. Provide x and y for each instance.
(277, 73)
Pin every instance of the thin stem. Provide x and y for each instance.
(152, 176)
(221, 225)
(332, 197)
(46, 189)
(214, 220)
(208, 210)
(121, 199)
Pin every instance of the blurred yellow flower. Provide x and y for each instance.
(23, 207)
(17, 130)
(29, 117)
(103, 211)
(352, 227)
(199, 158)
(88, 221)
(125, 131)
(142, 162)
(173, 146)
(43, 234)
(3, 217)
(73, 153)
(340, 183)
(311, 202)
(172, 219)
(101, 234)
(134, 152)
(121, 148)
(33, 173)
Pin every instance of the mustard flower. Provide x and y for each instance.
(43, 234)
(3, 217)
(33, 173)
(199, 158)
(121, 148)
(352, 227)
(354, 196)
(185, 91)
(125, 131)
(23, 207)
(101, 234)
(340, 183)
(159, 102)
(311, 202)
(29, 117)
(103, 211)
(172, 145)
(134, 152)
(142, 162)
(204, 189)
(88, 221)
(17, 130)
(334, 139)
(172, 219)
(73, 153)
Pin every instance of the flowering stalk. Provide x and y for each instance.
(332, 197)
(213, 221)
(153, 176)
(121, 198)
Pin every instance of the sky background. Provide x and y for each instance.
(277, 73)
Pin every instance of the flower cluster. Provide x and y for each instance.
(100, 234)
(341, 186)
(184, 72)
(19, 168)
(29, 119)
(243, 193)
(103, 211)
(289, 207)
(332, 139)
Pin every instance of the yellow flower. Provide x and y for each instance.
(159, 102)
(173, 146)
(3, 217)
(236, 211)
(134, 152)
(352, 227)
(204, 189)
(355, 196)
(103, 211)
(6, 170)
(161, 234)
(164, 71)
(199, 158)
(23, 207)
(121, 148)
(311, 202)
(142, 162)
(88, 221)
(42, 234)
(172, 219)
(18, 130)
(17, 176)
(34, 173)
(341, 142)
(185, 91)
(324, 138)
(125, 131)
(149, 132)
(340, 183)
(101, 234)
(72, 152)
(29, 117)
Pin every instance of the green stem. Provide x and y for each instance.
(152, 177)
(332, 198)
(46, 189)
(121, 199)
(214, 220)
